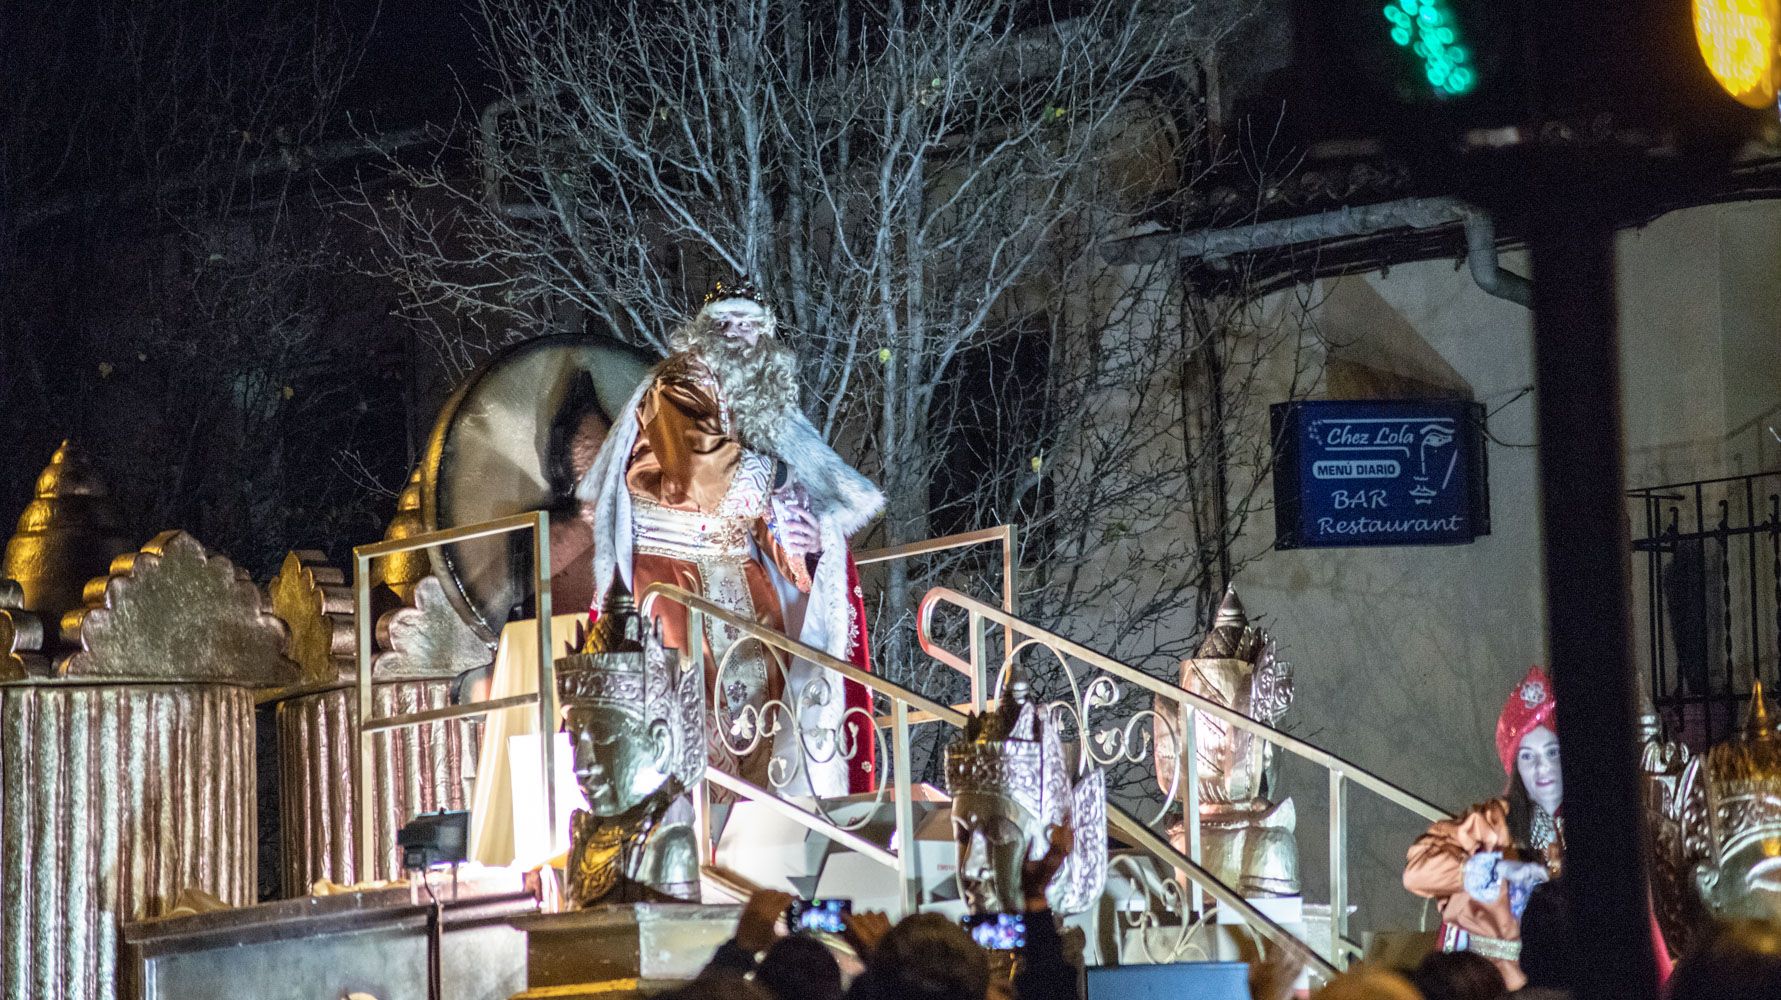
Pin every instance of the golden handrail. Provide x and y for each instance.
(369, 725)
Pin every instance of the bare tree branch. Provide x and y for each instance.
(925, 191)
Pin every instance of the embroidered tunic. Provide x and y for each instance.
(701, 520)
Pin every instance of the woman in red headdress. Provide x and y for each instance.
(1479, 866)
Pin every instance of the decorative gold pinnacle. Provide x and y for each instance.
(1231, 635)
(1230, 610)
(1752, 756)
(619, 629)
(68, 534)
(315, 604)
(402, 571)
(1757, 724)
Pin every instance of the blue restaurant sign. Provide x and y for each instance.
(1369, 472)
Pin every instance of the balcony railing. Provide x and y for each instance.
(1712, 598)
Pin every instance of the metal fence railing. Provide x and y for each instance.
(1712, 598)
(1004, 536)
(1114, 741)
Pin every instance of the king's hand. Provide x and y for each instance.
(794, 524)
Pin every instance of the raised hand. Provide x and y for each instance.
(1036, 876)
(759, 924)
(795, 524)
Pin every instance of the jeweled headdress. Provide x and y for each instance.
(1005, 752)
(1739, 784)
(1013, 751)
(621, 663)
(1531, 705)
(738, 289)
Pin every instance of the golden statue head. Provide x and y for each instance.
(1741, 873)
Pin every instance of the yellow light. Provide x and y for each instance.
(1738, 40)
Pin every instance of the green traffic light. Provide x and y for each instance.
(1429, 30)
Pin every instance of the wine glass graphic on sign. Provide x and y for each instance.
(1434, 438)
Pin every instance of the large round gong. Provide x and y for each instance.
(516, 437)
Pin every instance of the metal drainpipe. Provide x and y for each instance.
(1346, 222)
(1481, 255)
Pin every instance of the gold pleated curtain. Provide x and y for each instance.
(418, 770)
(113, 798)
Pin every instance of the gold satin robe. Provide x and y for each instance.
(707, 495)
(1436, 869)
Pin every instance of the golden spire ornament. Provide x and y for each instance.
(68, 534)
(404, 570)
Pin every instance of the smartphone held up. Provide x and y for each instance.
(997, 931)
(819, 916)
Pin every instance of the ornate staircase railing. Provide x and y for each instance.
(904, 704)
(909, 708)
(1118, 743)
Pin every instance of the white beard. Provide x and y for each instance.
(767, 420)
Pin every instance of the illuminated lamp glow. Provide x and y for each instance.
(1431, 32)
(1737, 38)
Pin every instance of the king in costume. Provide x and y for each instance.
(714, 480)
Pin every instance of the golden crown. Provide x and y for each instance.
(737, 289)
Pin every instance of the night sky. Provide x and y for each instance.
(100, 340)
(422, 60)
